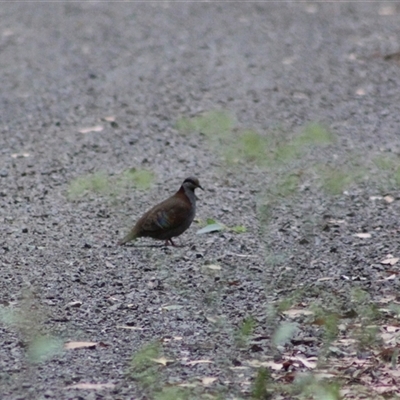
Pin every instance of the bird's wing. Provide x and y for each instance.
(165, 218)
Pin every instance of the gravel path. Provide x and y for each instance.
(132, 73)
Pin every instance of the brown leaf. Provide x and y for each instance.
(162, 360)
(387, 299)
(20, 155)
(363, 235)
(208, 380)
(110, 118)
(214, 267)
(93, 386)
(392, 328)
(387, 354)
(195, 362)
(286, 364)
(271, 364)
(133, 328)
(326, 278)
(289, 377)
(187, 384)
(97, 128)
(389, 199)
(295, 312)
(80, 345)
(387, 10)
(390, 260)
(307, 362)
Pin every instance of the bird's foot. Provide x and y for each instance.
(169, 242)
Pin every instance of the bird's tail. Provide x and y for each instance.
(130, 236)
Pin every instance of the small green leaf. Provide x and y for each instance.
(172, 307)
(238, 229)
(211, 228)
(284, 332)
(43, 348)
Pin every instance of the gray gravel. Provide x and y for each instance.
(67, 66)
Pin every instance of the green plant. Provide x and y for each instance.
(313, 134)
(330, 323)
(100, 183)
(385, 163)
(97, 183)
(260, 383)
(335, 180)
(286, 186)
(242, 335)
(173, 393)
(214, 124)
(44, 347)
(284, 333)
(311, 388)
(28, 320)
(139, 178)
(143, 369)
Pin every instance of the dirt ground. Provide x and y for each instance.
(289, 114)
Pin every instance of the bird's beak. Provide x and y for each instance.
(200, 187)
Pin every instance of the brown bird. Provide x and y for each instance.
(170, 218)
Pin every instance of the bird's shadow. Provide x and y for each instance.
(155, 246)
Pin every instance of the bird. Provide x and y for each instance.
(169, 218)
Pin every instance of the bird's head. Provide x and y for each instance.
(192, 183)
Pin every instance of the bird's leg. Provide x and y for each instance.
(169, 242)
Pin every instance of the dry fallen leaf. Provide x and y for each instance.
(311, 8)
(208, 380)
(389, 338)
(171, 307)
(110, 118)
(73, 304)
(95, 386)
(387, 10)
(97, 128)
(309, 363)
(337, 221)
(162, 360)
(389, 278)
(288, 61)
(187, 385)
(167, 340)
(363, 235)
(109, 265)
(375, 198)
(296, 312)
(133, 328)
(195, 362)
(347, 341)
(391, 328)
(390, 260)
(326, 278)
(80, 345)
(389, 199)
(387, 299)
(214, 267)
(271, 364)
(20, 155)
